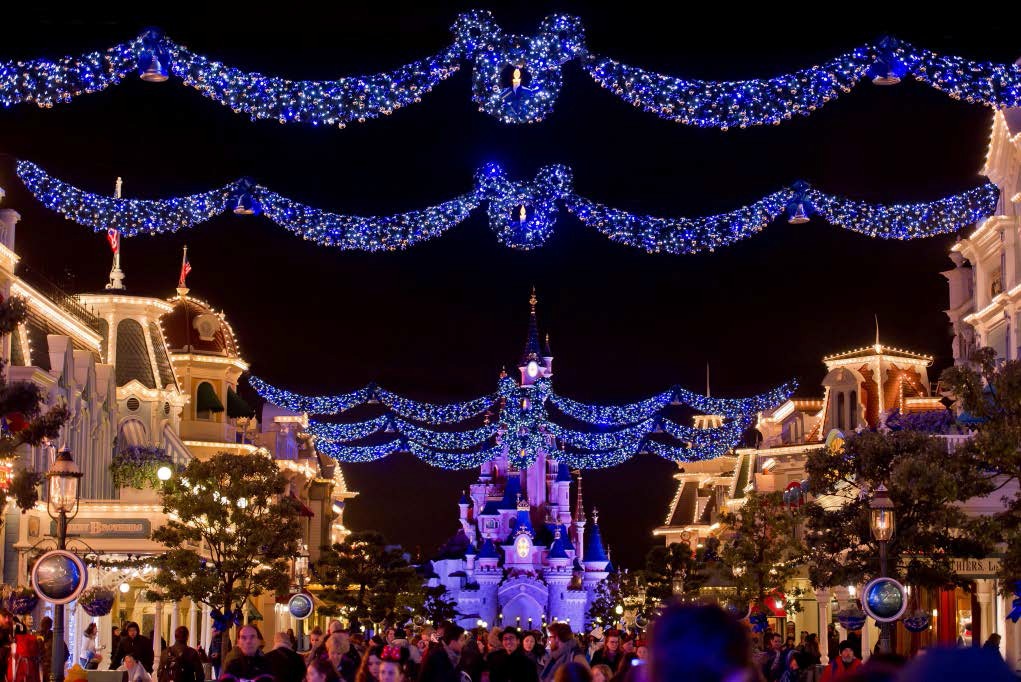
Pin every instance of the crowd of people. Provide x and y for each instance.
(687, 642)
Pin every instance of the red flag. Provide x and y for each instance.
(114, 237)
(185, 269)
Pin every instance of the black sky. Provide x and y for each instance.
(439, 321)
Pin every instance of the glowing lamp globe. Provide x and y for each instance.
(62, 480)
(533, 369)
(125, 588)
(882, 517)
(164, 473)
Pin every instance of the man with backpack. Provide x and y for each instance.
(181, 663)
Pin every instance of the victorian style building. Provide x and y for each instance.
(139, 371)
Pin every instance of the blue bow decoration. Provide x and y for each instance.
(224, 622)
(517, 78)
(523, 214)
(1015, 611)
(758, 621)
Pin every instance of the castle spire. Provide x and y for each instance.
(533, 351)
(579, 507)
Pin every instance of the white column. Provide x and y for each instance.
(822, 597)
(193, 624)
(204, 635)
(157, 647)
(866, 640)
(175, 619)
(984, 596)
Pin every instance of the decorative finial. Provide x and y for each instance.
(595, 515)
(522, 503)
(532, 300)
(522, 214)
(707, 393)
(117, 186)
(878, 346)
(503, 372)
(516, 78)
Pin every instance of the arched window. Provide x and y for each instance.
(840, 410)
(852, 417)
(206, 401)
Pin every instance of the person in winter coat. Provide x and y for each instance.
(610, 653)
(135, 645)
(214, 650)
(842, 666)
(180, 661)
(249, 663)
(440, 663)
(509, 663)
(287, 664)
(564, 649)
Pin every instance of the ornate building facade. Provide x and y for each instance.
(143, 371)
(521, 556)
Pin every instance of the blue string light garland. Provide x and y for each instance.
(518, 425)
(516, 78)
(521, 213)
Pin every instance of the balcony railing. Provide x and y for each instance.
(69, 303)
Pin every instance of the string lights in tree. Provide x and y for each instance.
(521, 213)
(519, 426)
(516, 78)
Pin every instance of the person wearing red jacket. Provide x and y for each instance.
(843, 665)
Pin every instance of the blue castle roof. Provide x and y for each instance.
(523, 523)
(488, 550)
(594, 550)
(563, 473)
(511, 490)
(557, 551)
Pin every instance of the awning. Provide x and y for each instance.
(206, 399)
(132, 434)
(177, 450)
(236, 405)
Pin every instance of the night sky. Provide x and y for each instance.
(439, 321)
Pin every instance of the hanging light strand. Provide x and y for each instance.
(522, 214)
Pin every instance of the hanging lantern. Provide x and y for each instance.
(799, 216)
(888, 68)
(799, 208)
(245, 202)
(919, 621)
(153, 58)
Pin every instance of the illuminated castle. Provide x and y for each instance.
(522, 556)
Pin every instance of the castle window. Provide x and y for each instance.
(852, 417)
(840, 410)
(206, 401)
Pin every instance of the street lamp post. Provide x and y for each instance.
(63, 481)
(882, 521)
(301, 572)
